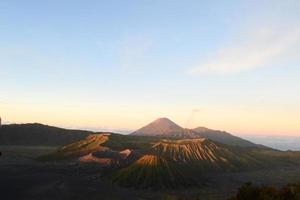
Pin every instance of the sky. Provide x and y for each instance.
(118, 65)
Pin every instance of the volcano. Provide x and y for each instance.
(155, 162)
(161, 127)
(165, 128)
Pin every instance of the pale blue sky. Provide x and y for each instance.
(120, 64)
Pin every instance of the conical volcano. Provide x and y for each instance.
(165, 128)
(160, 127)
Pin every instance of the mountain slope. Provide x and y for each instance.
(177, 163)
(151, 162)
(222, 137)
(92, 149)
(191, 150)
(39, 134)
(181, 163)
(80, 148)
(151, 171)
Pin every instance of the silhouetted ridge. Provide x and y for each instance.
(39, 134)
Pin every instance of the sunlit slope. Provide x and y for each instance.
(205, 155)
(97, 144)
(177, 163)
(180, 163)
(152, 171)
(192, 151)
(88, 145)
(151, 162)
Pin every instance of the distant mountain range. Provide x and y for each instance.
(39, 134)
(164, 127)
(160, 155)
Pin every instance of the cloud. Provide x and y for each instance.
(251, 51)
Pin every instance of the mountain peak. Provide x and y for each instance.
(164, 120)
(160, 127)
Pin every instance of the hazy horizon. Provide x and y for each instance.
(230, 66)
(281, 142)
(128, 131)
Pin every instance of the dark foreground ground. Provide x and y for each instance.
(21, 177)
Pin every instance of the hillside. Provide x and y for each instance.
(151, 162)
(152, 171)
(192, 151)
(222, 137)
(39, 135)
(181, 163)
(174, 163)
(92, 149)
(90, 144)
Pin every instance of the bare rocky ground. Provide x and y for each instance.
(22, 177)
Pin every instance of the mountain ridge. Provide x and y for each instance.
(164, 127)
(39, 134)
